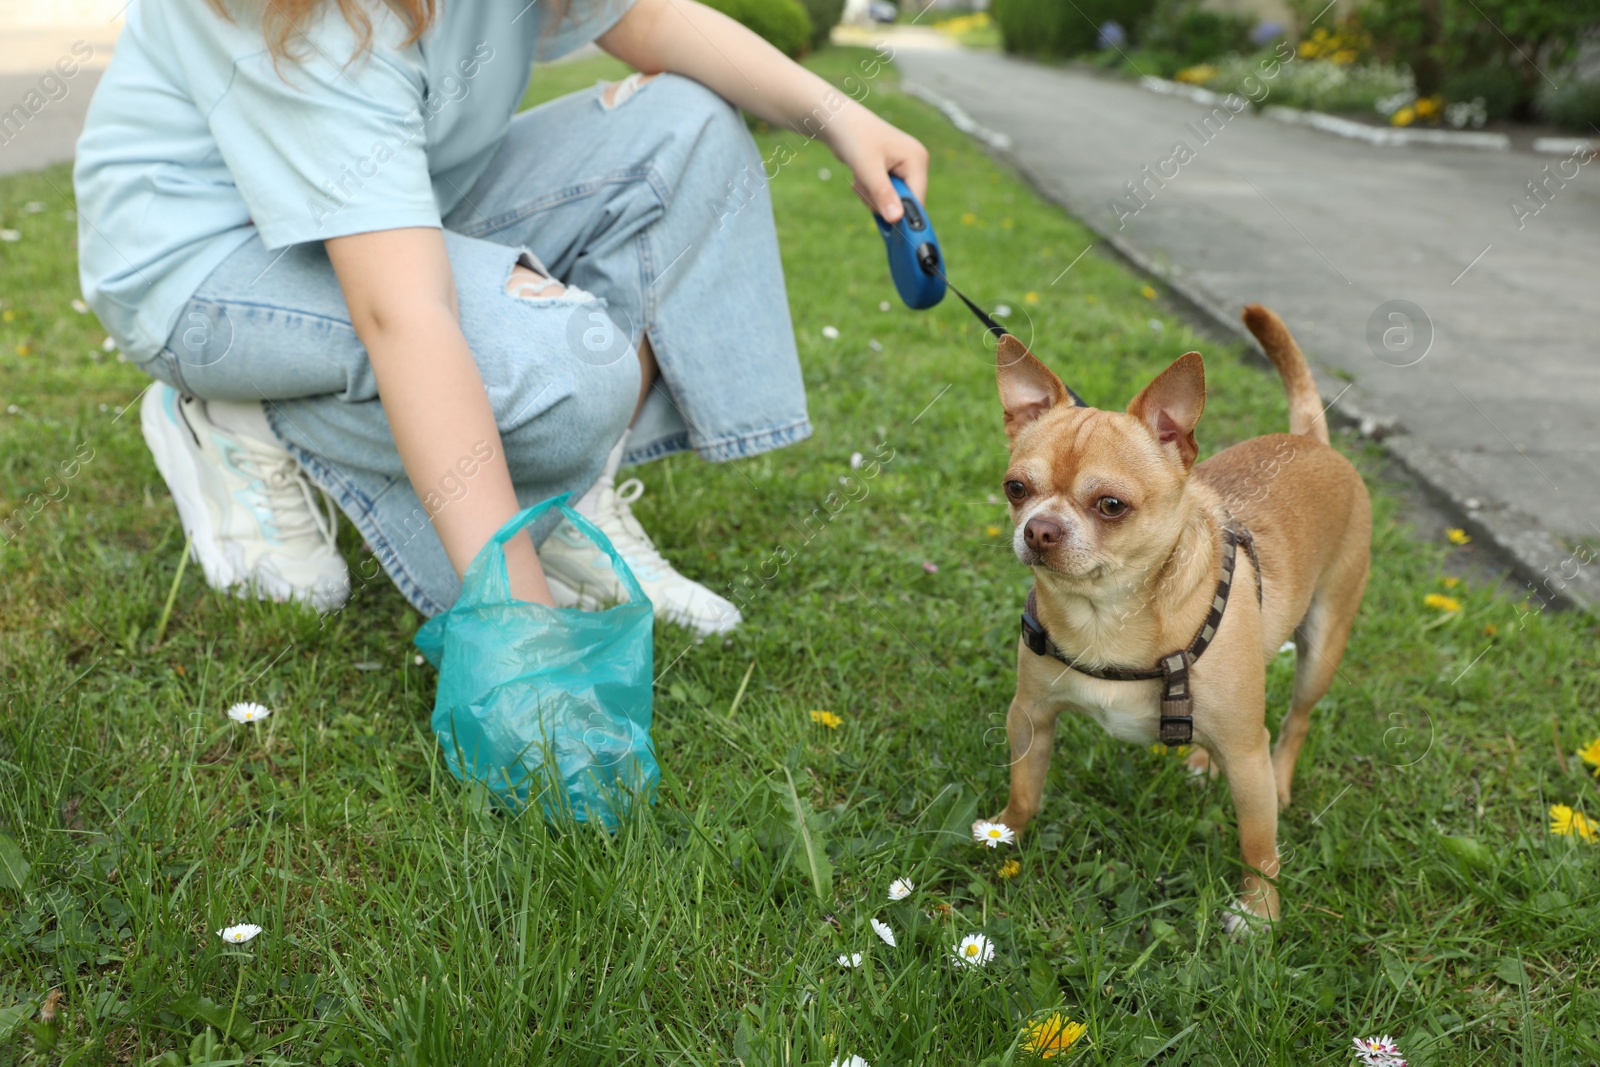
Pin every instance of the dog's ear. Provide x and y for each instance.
(1171, 405)
(1028, 388)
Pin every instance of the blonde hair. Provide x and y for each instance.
(283, 20)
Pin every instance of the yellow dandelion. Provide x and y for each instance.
(1457, 536)
(1566, 822)
(1030, 297)
(1345, 56)
(1490, 629)
(1050, 1036)
(992, 530)
(968, 218)
(1590, 754)
(826, 718)
(1010, 869)
(8, 315)
(1006, 224)
(1148, 292)
(24, 350)
(1442, 602)
(1450, 582)
(1090, 298)
(1428, 107)
(1404, 117)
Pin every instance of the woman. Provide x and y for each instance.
(351, 269)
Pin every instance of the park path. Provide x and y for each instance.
(1500, 417)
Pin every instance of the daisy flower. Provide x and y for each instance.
(248, 712)
(238, 935)
(1378, 1051)
(1010, 869)
(883, 932)
(975, 950)
(1590, 754)
(852, 960)
(900, 888)
(1050, 1036)
(1565, 821)
(993, 834)
(826, 718)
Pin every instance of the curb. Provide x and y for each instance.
(1381, 136)
(1530, 552)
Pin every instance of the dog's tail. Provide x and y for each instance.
(1306, 413)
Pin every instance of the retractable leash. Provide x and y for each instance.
(917, 265)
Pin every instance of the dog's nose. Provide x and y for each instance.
(1042, 534)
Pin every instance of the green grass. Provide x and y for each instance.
(405, 924)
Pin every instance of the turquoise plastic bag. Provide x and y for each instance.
(545, 705)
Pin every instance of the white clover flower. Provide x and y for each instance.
(10, 235)
(1002, 310)
(855, 461)
(248, 712)
(80, 307)
(993, 834)
(824, 173)
(900, 888)
(108, 345)
(852, 960)
(883, 932)
(850, 1061)
(975, 950)
(33, 207)
(238, 935)
(831, 332)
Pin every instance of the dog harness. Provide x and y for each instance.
(1177, 702)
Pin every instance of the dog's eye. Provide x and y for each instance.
(1110, 507)
(1016, 491)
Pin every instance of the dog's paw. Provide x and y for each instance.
(1239, 922)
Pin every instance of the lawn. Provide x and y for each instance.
(404, 922)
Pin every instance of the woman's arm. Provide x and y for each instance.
(402, 300)
(688, 38)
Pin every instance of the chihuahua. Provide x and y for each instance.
(1162, 587)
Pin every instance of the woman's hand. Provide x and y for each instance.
(873, 149)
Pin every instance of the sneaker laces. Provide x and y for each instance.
(640, 553)
(298, 507)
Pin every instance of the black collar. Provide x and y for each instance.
(1177, 702)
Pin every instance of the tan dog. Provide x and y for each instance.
(1127, 547)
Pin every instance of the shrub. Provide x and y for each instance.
(825, 15)
(1449, 37)
(1574, 105)
(1062, 28)
(1191, 34)
(1317, 84)
(1498, 86)
(782, 23)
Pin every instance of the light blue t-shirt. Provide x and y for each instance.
(195, 139)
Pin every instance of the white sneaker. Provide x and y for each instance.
(254, 518)
(580, 575)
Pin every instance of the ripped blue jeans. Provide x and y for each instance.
(631, 205)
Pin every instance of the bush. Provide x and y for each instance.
(1060, 28)
(1499, 88)
(1572, 106)
(1450, 37)
(825, 15)
(1316, 84)
(1190, 34)
(782, 23)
